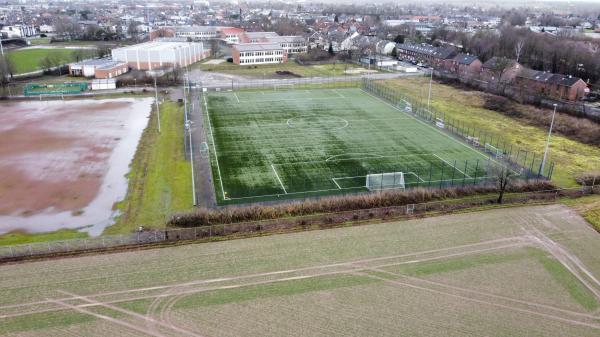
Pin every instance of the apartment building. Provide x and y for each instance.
(258, 53)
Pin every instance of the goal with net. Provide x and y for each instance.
(498, 153)
(383, 181)
(279, 87)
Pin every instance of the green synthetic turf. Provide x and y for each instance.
(296, 143)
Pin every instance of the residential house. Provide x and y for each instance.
(464, 65)
(500, 70)
(555, 86)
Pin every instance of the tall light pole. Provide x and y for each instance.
(548, 140)
(156, 100)
(429, 98)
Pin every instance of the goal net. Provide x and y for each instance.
(383, 181)
(494, 150)
(277, 87)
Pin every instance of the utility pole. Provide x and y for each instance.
(156, 100)
(548, 140)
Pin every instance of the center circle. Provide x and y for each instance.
(315, 121)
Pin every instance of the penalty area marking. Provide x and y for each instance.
(278, 179)
(456, 168)
(361, 156)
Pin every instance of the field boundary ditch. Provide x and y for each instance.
(226, 231)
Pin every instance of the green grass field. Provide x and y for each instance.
(519, 272)
(27, 60)
(295, 143)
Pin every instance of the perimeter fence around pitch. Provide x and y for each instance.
(249, 228)
(524, 164)
(500, 155)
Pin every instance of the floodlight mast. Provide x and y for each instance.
(548, 140)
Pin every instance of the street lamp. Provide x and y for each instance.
(548, 140)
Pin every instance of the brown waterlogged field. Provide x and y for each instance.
(63, 163)
(507, 272)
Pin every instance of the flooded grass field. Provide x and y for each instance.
(63, 164)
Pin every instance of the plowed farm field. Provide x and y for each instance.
(529, 271)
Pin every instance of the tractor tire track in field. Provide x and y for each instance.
(176, 292)
(405, 282)
(205, 282)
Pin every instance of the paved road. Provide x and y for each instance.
(205, 192)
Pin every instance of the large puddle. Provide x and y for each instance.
(63, 164)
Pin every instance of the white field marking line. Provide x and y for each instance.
(107, 318)
(532, 312)
(236, 97)
(214, 147)
(130, 313)
(433, 128)
(291, 125)
(564, 258)
(354, 158)
(290, 100)
(278, 179)
(353, 267)
(338, 93)
(332, 189)
(365, 176)
(510, 299)
(272, 273)
(456, 168)
(336, 184)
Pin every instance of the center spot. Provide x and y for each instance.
(327, 122)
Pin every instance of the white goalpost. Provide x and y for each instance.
(280, 87)
(383, 181)
(494, 150)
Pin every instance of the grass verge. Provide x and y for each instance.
(18, 238)
(159, 180)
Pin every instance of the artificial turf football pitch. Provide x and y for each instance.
(295, 143)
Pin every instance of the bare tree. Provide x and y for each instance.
(499, 67)
(66, 26)
(102, 51)
(6, 72)
(503, 178)
(519, 48)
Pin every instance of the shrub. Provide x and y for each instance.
(588, 178)
(203, 217)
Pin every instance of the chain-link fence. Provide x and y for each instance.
(322, 221)
(523, 163)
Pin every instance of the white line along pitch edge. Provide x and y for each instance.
(278, 179)
(456, 168)
(212, 137)
(236, 97)
(434, 128)
(336, 184)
